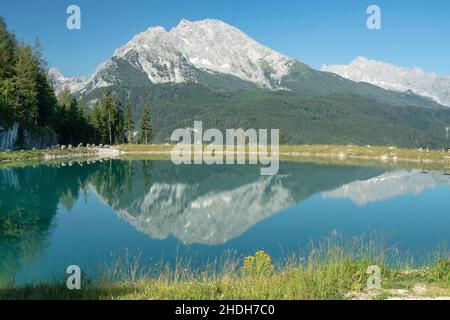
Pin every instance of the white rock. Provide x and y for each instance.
(61, 82)
(210, 45)
(392, 77)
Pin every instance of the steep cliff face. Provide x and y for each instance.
(8, 137)
(17, 138)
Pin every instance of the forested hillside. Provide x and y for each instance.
(28, 101)
(336, 118)
(27, 96)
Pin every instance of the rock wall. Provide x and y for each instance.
(8, 137)
(38, 141)
(13, 138)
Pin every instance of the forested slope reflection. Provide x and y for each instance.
(29, 199)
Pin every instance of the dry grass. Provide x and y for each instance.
(334, 269)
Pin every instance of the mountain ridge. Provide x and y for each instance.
(392, 77)
(176, 56)
(60, 81)
(214, 54)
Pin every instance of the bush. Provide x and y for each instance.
(258, 265)
(441, 270)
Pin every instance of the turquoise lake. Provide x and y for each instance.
(90, 214)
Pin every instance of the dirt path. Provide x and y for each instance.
(418, 292)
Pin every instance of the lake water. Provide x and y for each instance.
(55, 216)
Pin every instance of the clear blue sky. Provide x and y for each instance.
(415, 33)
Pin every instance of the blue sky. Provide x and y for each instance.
(415, 33)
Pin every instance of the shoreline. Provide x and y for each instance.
(32, 157)
(330, 154)
(335, 154)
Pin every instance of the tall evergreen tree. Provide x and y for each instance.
(25, 83)
(8, 46)
(146, 125)
(74, 121)
(65, 98)
(46, 99)
(97, 121)
(129, 122)
(7, 98)
(119, 132)
(108, 113)
(110, 106)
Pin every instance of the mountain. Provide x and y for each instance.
(215, 54)
(388, 185)
(212, 72)
(392, 77)
(60, 82)
(186, 52)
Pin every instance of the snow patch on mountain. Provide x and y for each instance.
(392, 77)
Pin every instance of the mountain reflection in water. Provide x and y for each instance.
(197, 205)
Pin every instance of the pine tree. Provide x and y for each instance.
(108, 114)
(27, 95)
(46, 99)
(110, 107)
(65, 98)
(25, 83)
(73, 121)
(119, 132)
(8, 46)
(7, 98)
(129, 122)
(98, 123)
(146, 125)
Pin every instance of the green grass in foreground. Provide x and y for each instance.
(336, 269)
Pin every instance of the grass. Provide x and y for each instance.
(355, 152)
(347, 155)
(389, 157)
(31, 157)
(140, 148)
(334, 269)
(370, 152)
(7, 156)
